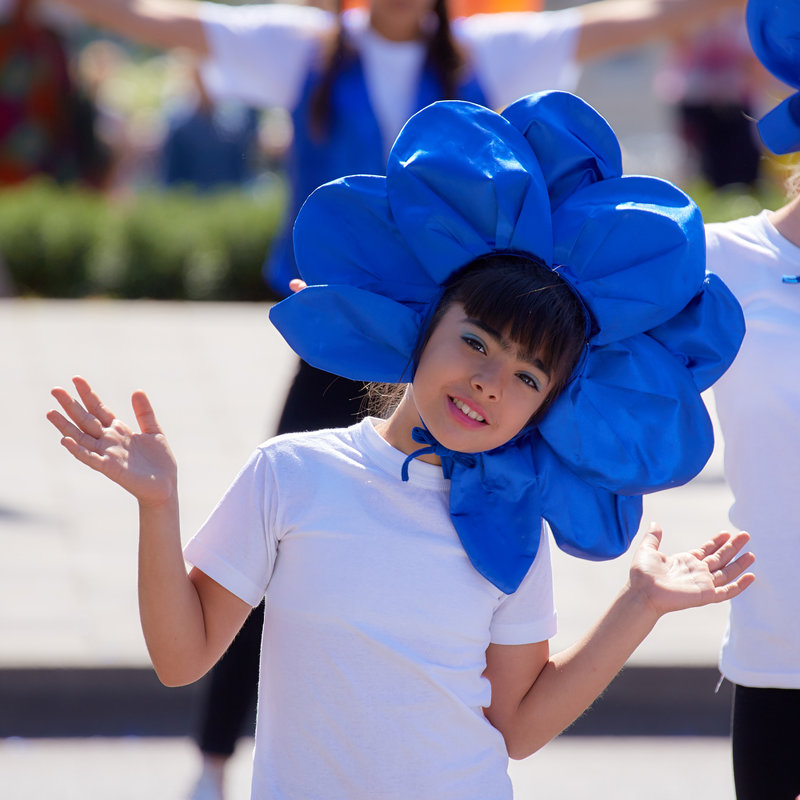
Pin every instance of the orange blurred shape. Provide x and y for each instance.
(464, 8)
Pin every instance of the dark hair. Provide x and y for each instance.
(444, 57)
(520, 296)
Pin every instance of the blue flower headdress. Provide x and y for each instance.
(543, 178)
(774, 30)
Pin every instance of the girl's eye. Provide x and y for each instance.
(474, 342)
(529, 380)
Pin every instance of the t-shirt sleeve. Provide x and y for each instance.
(528, 615)
(518, 53)
(260, 55)
(238, 544)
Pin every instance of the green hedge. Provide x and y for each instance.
(62, 242)
(721, 205)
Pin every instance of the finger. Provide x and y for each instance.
(712, 546)
(727, 551)
(92, 402)
(145, 415)
(85, 421)
(730, 572)
(82, 454)
(297, 284)
(653, 536)
(731, 590)
(68, 430)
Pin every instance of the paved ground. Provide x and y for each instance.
(567, 769)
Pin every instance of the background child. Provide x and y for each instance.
(407, 571)
(758, 403)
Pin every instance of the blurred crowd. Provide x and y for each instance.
(80, 106)
(83, 108)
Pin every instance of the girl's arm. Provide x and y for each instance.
(536, 696)
(188, 620)
(159, 23)
(610, 27)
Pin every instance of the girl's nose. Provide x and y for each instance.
(488, 383)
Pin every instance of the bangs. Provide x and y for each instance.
(528, 303)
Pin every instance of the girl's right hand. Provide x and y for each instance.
(140, 463)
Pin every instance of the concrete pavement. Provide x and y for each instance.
(571, 768)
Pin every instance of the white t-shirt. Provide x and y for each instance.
(376, 624)
(758, 402)
(262, 54)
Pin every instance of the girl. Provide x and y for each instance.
(405, 561)
(760, 257)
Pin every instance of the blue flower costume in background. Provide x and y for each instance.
(543, 178)
(774, 30)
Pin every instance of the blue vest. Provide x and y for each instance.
(353, 146)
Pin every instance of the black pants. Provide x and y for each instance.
(766, 743)
(316, 400)
(724, 138)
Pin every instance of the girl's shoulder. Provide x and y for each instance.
(310, 448)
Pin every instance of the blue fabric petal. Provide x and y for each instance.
(496, 510)
(574, 145)
(774, 30)
(780, 128)
(587, 521)
(634, 248)
(633, 422)
(686, 334)
(345, 234)
(471, 188)
(360, 335)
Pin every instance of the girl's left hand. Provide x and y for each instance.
(709, 574)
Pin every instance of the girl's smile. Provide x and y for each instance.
(466, 414)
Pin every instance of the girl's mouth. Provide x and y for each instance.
(466, 411)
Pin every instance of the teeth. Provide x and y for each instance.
(465, 409)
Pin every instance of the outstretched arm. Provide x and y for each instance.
(613, 26)
(534, 696)
(158, 23)
(188, 620)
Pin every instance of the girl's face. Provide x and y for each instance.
(400, 20)
(473, 387)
